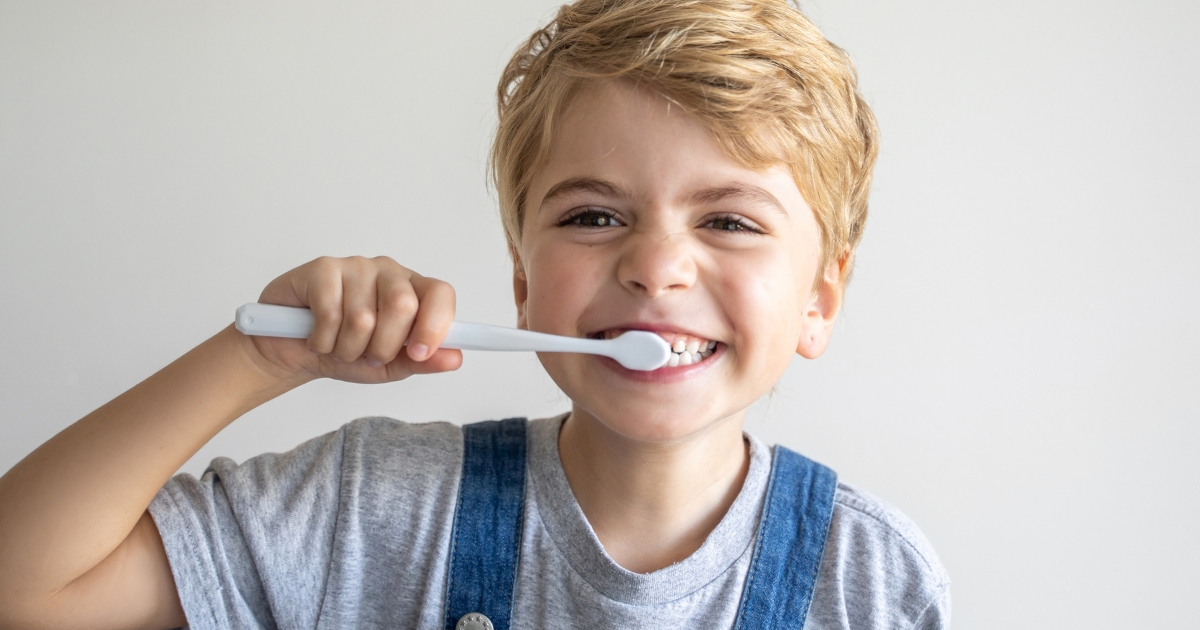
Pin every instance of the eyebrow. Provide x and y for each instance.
(747, 192)
(583, 184)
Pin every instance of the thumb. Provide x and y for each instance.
(442, 360)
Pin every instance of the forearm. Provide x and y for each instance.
(70, 503)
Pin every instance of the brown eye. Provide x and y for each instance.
(596, 219)
(734, 223)
(592, 219)
(728, 225)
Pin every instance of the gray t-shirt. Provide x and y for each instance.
(352, 530)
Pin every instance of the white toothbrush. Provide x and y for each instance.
(634, 349)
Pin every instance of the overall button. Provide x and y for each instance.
(474, 621)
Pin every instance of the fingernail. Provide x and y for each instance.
(373, 363)
(418, 351)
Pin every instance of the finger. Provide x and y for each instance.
(282, 291)
(436, 313)
(322, 290)
(396, 305)
(358, 312)
(442, 360)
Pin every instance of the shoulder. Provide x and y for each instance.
(376, 456)
(869, 526)
(391, 452)
(378, 436)
(878, 570)
(366, 442)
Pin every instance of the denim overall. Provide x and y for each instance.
(486, 540)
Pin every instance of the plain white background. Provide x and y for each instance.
(1016, 367)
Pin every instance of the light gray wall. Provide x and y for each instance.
(1016, 367)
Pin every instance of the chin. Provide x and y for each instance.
(685, 405)
(650, 421)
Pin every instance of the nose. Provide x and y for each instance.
(656, 264)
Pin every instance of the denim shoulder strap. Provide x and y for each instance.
(486, 540)
(790, 541)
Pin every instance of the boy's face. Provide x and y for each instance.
(638, 220)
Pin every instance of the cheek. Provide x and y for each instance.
(561, 284)
(760, 296)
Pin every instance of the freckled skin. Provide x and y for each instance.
(661, 258)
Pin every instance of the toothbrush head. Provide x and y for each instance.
(640, 350)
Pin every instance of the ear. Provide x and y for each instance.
(520, 287)
(816, 322)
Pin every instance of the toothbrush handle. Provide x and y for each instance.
(470, 336)
(271, 320)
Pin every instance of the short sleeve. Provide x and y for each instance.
(878, 571)
(936, 615)
(250, 545)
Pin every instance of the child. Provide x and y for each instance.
(698, 169)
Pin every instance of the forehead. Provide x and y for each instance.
(648, 148)
(619, 122)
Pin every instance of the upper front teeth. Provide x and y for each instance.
(688, 350)
(685, 349)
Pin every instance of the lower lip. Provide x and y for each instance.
(664, 374)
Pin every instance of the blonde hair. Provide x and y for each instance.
(756, 73)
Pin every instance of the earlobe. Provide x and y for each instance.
(813, 345)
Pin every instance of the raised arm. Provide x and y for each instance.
(77, 547)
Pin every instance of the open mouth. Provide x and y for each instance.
(685, 349)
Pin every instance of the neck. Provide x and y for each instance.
(653, 504)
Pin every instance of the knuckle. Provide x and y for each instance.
(362, 321)
(402, 303)
(442, 288)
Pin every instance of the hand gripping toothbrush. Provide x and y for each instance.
(634, 349)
